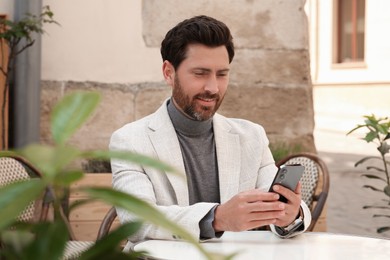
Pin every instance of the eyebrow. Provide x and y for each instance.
(209, 70)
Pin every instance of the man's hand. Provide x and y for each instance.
(255, 208)
(247, 210)
(291, 207)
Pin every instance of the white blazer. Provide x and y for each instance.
(244, 162)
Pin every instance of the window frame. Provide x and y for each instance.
(337, 30)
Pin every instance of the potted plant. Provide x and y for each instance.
(379, 133)
(16, 37)
(54, 162)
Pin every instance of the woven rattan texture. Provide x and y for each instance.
(309, 178)
(11, 171)
(74, 249)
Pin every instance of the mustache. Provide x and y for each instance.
(207, 95)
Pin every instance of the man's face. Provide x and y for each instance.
(200, 82)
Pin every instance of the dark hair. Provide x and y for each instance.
(199, 29)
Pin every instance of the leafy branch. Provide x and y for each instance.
(378, 133)
(16, 37)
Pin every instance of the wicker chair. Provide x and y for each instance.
(14, 169)
(316, 172)
(106, 224)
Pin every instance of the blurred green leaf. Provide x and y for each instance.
(383, 229)
(132, 157)
(372, 188)
(142, 210)
(49, 160)
(14, 242)
(375, 168)
(356, 128)
(375, 207)
(70, 113)
(5, 153)
(380, 216)
(370, 136)
(79, 202)
(15, 197)
(65, 179)
(384, 148)
(50, 240)
(383, 129)
(104, 248)
(386, 190)
(370, 176)
(366, 159)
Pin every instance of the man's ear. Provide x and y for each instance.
(168, 72)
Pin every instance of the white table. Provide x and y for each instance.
(265, 245)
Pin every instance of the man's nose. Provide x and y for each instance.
(212, 85)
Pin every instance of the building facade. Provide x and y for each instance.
(349, 58)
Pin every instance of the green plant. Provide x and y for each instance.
(281, 150)
(378, 133)
(96, 166)
(28, 240)
(16, 37)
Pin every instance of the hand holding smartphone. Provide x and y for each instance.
(288, 176)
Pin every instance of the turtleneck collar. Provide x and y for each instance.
(185, 125)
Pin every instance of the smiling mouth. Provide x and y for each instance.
(207, 101)
(207, 98)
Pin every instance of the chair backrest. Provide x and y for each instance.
(316, 172)
(13, 169)
(107, 223)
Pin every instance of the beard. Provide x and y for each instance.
(189, 105)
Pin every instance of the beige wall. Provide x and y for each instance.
(113, 47)
(98, 40)
(342, 94)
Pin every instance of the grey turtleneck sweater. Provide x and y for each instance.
(197, 145)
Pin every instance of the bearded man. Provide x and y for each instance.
(227, 165)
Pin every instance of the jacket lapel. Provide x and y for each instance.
(167, 147)
(228, 156)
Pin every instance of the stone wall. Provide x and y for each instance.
(270, 75)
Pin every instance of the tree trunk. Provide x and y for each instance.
(3, 96)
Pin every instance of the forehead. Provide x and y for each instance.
(199, 55)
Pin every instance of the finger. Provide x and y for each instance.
(267, 215)
(298, 188)
(257, 195)
(290, 195)
(264, 206)
(255, 224)
(260, 223)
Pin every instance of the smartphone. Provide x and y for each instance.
(288, 176)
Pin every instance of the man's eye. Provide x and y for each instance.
(200, 73)
(222, 75)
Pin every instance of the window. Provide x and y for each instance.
(350, 30)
